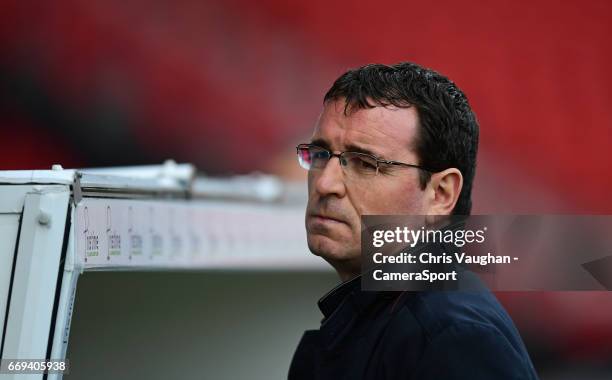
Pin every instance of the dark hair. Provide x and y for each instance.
(448, 132)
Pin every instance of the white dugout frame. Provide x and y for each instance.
(65, 222)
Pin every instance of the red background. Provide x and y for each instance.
(233, 85)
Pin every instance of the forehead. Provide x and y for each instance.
(388, 132)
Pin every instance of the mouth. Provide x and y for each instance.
(325, 219)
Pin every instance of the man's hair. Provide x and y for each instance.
(447, 136)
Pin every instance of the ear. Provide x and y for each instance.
(444, 189)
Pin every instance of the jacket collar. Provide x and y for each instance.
(332, 299)
(348, 291)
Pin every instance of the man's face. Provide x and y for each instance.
(336, 202)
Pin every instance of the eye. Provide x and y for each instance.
(362, 164)
(367, 164)
(318, 154)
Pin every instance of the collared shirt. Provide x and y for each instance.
(411, 335)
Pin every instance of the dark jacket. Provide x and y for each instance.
(411, 335)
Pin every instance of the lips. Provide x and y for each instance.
(327, 218)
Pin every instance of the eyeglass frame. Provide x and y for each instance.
(376, 159)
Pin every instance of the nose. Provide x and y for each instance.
(330, 179)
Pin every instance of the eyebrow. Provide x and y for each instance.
(320, 142)
(349, 148)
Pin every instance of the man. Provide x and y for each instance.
(398, 139)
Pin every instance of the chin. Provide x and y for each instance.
(329, 249)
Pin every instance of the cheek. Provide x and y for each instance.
(311, 191)
(310, 181)
(394, 199)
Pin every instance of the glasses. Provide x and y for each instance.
(355, 164)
